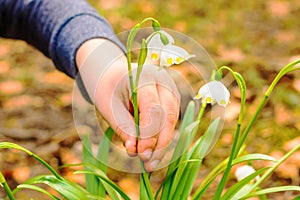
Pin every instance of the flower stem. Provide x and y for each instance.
(288, 68)
(6, 187)
(229, 165)
(201, 112)
(133, 87)
(235, 148)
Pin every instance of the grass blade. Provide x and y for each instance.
(91, 181)
(6, 187)
(272, 169)
(67, 189)
(180, 148)
(231, 193)
(9, 145)
(201, 150)
(273, 190)
(101, 175)
(36, 188)
(222, 166)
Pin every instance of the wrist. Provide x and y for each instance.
(93, 58)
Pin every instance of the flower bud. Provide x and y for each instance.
(143, 53)
(164, 39)
(155, 25)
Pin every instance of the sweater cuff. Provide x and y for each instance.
(72, 34)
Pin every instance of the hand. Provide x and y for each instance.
(158, 102)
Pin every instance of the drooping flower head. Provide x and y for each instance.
(244, 171)
(161, 48)
(213, 92)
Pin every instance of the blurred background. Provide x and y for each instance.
(256, 38)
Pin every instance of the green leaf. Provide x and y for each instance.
(200, 149)
(181, 147)
(222, 166)
(181, 173)
(67, 189)
(102, 157)
(254, 156)
(9, 145)
(36, 188)
(272, 190)
(101, 175)
(111, 191)
(92, 182)
(5, 145)
(231, 194)
(297, 198)
(208, 139)
(272, 169)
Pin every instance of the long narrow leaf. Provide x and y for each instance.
(39, 189)
(180, 148)
(103, 177)
(231, 193)
(112, 193)
(9, 145)
(103, 150)
(68, 189)
(205, 144)
(209, 138)
(273, 190)
(273, 168)
(91, 181)
(221, 167)
(188, 136)
(102, 159)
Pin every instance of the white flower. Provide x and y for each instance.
(244, 171)
(168, 54)
(173, 54)
(213, 92)
(155, 45)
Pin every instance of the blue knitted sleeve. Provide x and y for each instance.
(56, 27)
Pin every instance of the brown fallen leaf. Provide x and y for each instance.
(22, 101)
(129, 186)
(279, 8)
(4, 49)
(232, 111)
(282, 115)
(56, 77)
(296, 84)
(232, 54)
(11, 87)
(21, 174)
(4, 66)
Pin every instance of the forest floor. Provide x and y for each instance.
(255, 38)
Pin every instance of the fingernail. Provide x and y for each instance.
(128, 143)
(154, 164)
(147, 154)
(130, 148)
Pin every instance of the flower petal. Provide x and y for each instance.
(214, 91)
(244, 171)
(173, 54)
(155, 45)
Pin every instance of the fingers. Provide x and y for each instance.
(122, 122)
(150, 119)
(170, 101)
